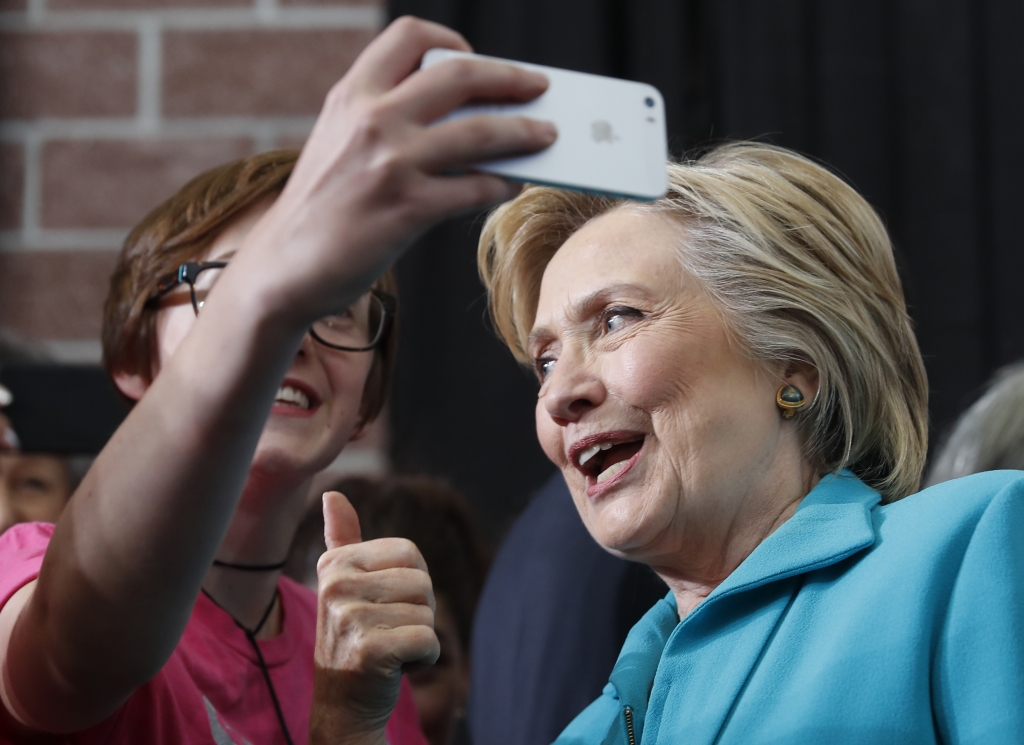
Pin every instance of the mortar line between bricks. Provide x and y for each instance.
(184, 128)
(358, 17)
(267, 10)
(36, 10)
(43, 240)
(74, 351)
(265, 138)
(150, 83)
(32, 194)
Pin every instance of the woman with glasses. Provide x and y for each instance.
(249, 323)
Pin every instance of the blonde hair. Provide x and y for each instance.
(801, 268)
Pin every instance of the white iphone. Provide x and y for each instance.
(611, 133)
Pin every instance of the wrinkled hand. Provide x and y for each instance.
(375, 619)
(376, 170)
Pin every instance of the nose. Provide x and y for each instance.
(573, 388)
(307, 346)
(8, 514)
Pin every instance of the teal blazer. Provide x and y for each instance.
(854, 622)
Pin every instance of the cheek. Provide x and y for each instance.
(549, 435)
(649, 376)
(347, 374)
(47, 508)
(172, 326)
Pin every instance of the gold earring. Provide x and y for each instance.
(789, 399)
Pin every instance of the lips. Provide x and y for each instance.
(605, 457)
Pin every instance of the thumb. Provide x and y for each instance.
(341, 523)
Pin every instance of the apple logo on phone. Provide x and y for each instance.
(602, 131)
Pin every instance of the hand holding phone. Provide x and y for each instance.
(611, 133)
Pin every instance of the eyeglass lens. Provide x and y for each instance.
(358, 326)
(205, 280)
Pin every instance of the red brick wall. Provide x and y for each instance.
(108, 106)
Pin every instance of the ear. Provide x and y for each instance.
(131, 385)
(803, 375)
(360, 432)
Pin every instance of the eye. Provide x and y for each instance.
(618, 318)
(34, 484)
(543, 367)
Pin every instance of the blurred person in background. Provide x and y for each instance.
(247, 322)
(731, 387)
(437, 519)
(8, 437)
(989, 436)
(553, 615)
(11, 349)
(33, 486)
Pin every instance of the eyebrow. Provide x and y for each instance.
(580, 308)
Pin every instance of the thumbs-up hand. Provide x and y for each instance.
(375, 618)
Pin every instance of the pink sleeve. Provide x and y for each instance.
(404, 725)
(21, 554)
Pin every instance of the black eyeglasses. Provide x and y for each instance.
(358, 328)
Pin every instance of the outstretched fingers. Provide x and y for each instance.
(397, 51)
(429, 94)
(477, 139)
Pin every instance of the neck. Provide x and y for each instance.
(260, 533)
(691, 582)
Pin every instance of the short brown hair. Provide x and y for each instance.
(801, 267)
(180, 230)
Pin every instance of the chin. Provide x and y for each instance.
(622, 527)
(284, 456)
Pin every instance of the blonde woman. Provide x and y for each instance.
(730, 384)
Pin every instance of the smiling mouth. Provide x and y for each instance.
(602, 461)
(295, 398)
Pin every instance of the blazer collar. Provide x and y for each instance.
(832, 523)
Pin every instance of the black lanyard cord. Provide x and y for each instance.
(250, 567)
(250, 634)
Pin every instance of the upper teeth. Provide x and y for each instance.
(292, 395)
(593, 450)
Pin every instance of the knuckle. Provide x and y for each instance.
(424, 617)
(408, 552)
(337, 96)
(463, 69)
(370, 125)
(325, 564)
(336, 560)
(347, 617)
(339, 586)
(485, 189)
(484, 132)
(408, 26)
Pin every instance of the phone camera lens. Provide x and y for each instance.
(650, 102)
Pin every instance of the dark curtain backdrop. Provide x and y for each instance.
(919, 103)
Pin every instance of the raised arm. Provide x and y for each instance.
(129, 554)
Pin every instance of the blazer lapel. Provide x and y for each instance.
(710, 655)
(634, 671)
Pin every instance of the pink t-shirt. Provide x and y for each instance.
(211, 691)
